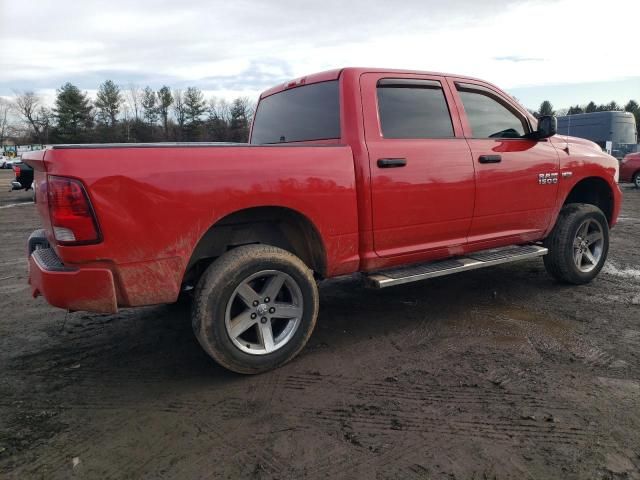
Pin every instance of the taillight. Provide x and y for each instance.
(16, 170)
(72, 216)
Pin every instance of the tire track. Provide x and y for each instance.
(428, 392)
(403, 422)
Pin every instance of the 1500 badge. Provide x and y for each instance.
(547, 178)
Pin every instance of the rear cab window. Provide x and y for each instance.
(307, 113)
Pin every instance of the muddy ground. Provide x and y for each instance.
(498, 373)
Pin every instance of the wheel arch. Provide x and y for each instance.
(594, 191)
(281, 227)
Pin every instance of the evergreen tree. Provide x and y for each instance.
(633, 107)
(73, 113)
(239, 124)
(195, 107)
(149, 107)
(108, 103)
(165, 100)
(546, 108)
(575, 110)
(609, 107)
(591, 107)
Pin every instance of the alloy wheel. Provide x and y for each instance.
(588, 245)
(264, 312)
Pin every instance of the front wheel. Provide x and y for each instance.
(636, 179)
(578, 244)
(255, 308)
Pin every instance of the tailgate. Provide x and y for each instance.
(36, 160)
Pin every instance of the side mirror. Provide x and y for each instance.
(547, 126)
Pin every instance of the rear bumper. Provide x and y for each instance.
(89, 289)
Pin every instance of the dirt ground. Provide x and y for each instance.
(493, 374)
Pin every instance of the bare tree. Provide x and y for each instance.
(134, 99)
(180, 111)
(219, 118)
(219, 109)
(27, 105)
(45, 119)
(5, 106)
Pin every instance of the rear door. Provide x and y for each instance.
(516, 177)
(422, 177)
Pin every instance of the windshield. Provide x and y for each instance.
(300, 114)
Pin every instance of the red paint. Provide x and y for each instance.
(629, 167)
(153, 204)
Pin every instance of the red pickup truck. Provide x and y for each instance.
(399, 175)
(630, 169)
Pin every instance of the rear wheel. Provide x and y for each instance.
(255, 308)
(578, 244)
(636, 179)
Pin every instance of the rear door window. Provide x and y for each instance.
(413, 109)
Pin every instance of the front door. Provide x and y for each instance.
(422, 175)
(516, 177)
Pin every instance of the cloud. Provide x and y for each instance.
(258, 75)
(248, 45)
(517, 59)
(565, 95)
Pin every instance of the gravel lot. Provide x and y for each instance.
(498, 373)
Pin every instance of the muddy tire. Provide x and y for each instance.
(254, 308)
(578, 244)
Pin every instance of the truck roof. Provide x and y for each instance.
(328, 75)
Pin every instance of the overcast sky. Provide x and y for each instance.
(569, 51)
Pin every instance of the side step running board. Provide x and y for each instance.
(473, 261)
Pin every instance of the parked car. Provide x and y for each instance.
(399, 175)
(630, 169)
(24, 176)
(7, 162)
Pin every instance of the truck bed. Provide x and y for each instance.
(154, 202)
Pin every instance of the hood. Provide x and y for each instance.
(561, 141)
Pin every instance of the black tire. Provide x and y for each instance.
(560, 262)
(216, 289)
(636, 179)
